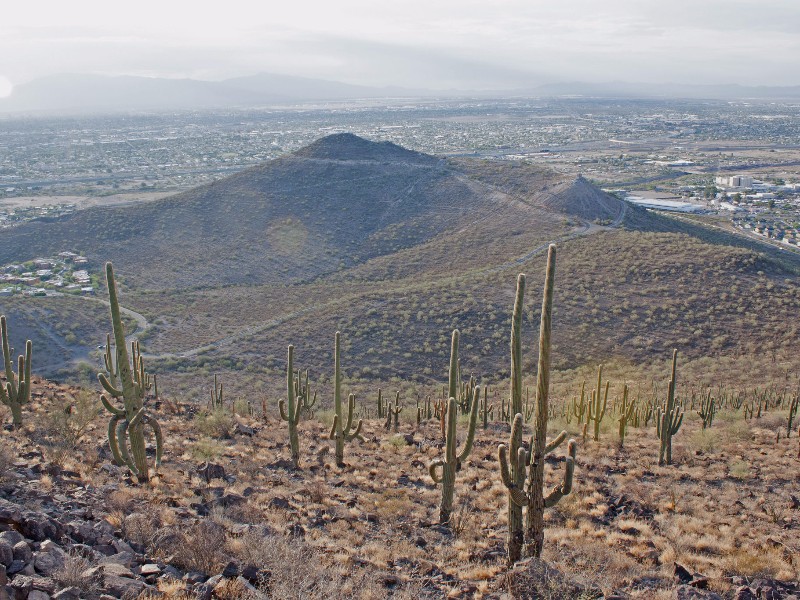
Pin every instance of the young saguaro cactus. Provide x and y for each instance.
(291, 409)
(342, 430)
(625, 415)
(486, 408)
(393, 413)
(513, 474)
(453, 458)
(708, 408)
(17, 390)
(516, 347)
(127, 381)
(596, 411)
(669, 418)
(217, 400)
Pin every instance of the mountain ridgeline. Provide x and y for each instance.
(396, 248)
(330, 206)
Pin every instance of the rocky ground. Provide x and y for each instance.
(226, 516)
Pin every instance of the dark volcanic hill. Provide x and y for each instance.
(396, 248)
(337, 203)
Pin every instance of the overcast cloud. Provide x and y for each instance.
(442, 44)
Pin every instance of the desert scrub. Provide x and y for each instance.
(217, 423)
(704, 440)
(64, 425)
(206, 449)
(739, 469)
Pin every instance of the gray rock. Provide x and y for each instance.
(70, 593)
(172, 572)
(150, 570)
(203, 591)
(127, 559)
(16, 566)
(687, 592)
(117, 570)
(22, 551)
(49, 560)
(22, 585)
(6, 553)
(124, 586)
(12, 537)
(44, 584)
(38, 595)
(82, 532)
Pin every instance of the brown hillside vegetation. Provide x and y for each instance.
(727, 510)
(395, 249)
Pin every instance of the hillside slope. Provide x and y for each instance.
(396, 248)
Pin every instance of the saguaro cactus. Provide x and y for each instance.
(514, 475)
(793, 404)
(596, 411)
(708, 408)
(17, 390)
(453, 459)
(342, 430)
(290, 410)
(393, 413)
(625, 415)
(486, 408)
(127, 381)
(669, 418)
(516, 347)
(217, 400)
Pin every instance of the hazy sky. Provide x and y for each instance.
(413, 43)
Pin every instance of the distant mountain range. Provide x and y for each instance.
(80, 93)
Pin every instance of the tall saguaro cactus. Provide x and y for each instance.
(669, 418)
(514, 473)
(17, 390)
(516, 347)
(342, 430)
(127, 381)
(596, 410)
(453, 458)
(290, 410)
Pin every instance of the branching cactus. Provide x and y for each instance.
(708, 408)
(302, 391)
(626, 415)
(17, 390)
(381, 414)
(291, 408)
(516, 347)
(513, 467)
(793, 404)
(596, 410)
(128, 382)
(217, 400)
(486, 408)
(453, 459)
(393, 413)
(342, 430)
(579, 408)
(669, 418)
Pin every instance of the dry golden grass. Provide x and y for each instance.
(723, 508)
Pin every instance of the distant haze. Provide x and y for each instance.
(438, 45)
